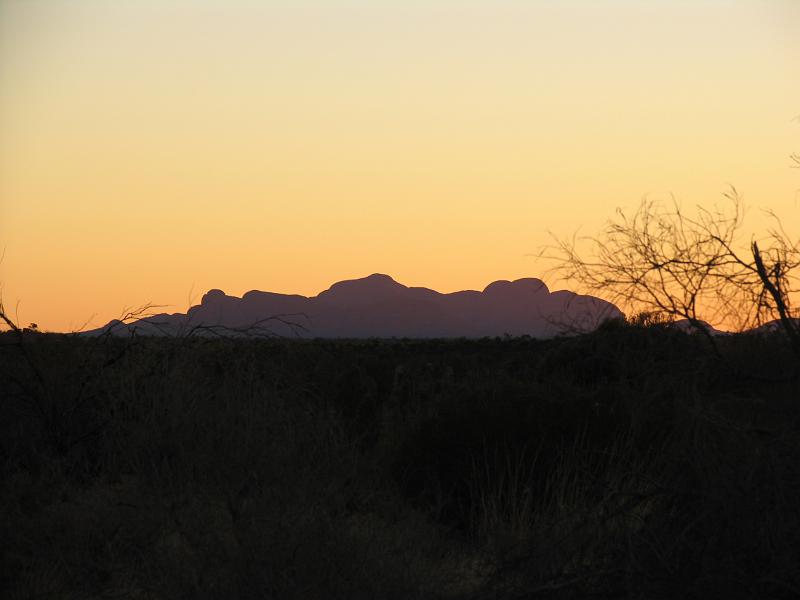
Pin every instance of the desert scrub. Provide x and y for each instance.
(627, 463)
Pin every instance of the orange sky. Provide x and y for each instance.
(153, 149)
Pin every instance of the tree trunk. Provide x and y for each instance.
(789, 324)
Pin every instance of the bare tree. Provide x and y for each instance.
(694, 267)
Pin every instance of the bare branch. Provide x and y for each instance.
(662, 261)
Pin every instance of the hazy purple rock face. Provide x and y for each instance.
(379, 307)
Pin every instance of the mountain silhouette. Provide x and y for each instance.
(379, 307)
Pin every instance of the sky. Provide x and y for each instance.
(151, 150)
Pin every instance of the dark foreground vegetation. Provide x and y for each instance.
(633, 462)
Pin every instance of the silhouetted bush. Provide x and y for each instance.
(630, 462)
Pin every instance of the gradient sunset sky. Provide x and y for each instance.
(153, 149)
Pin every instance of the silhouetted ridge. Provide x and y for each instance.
(526, 285)
(375, 287)
(378, 306)
(212, 297)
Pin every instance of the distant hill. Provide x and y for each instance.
(379, 307)
(686, 326)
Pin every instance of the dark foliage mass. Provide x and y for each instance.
(630, 462)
